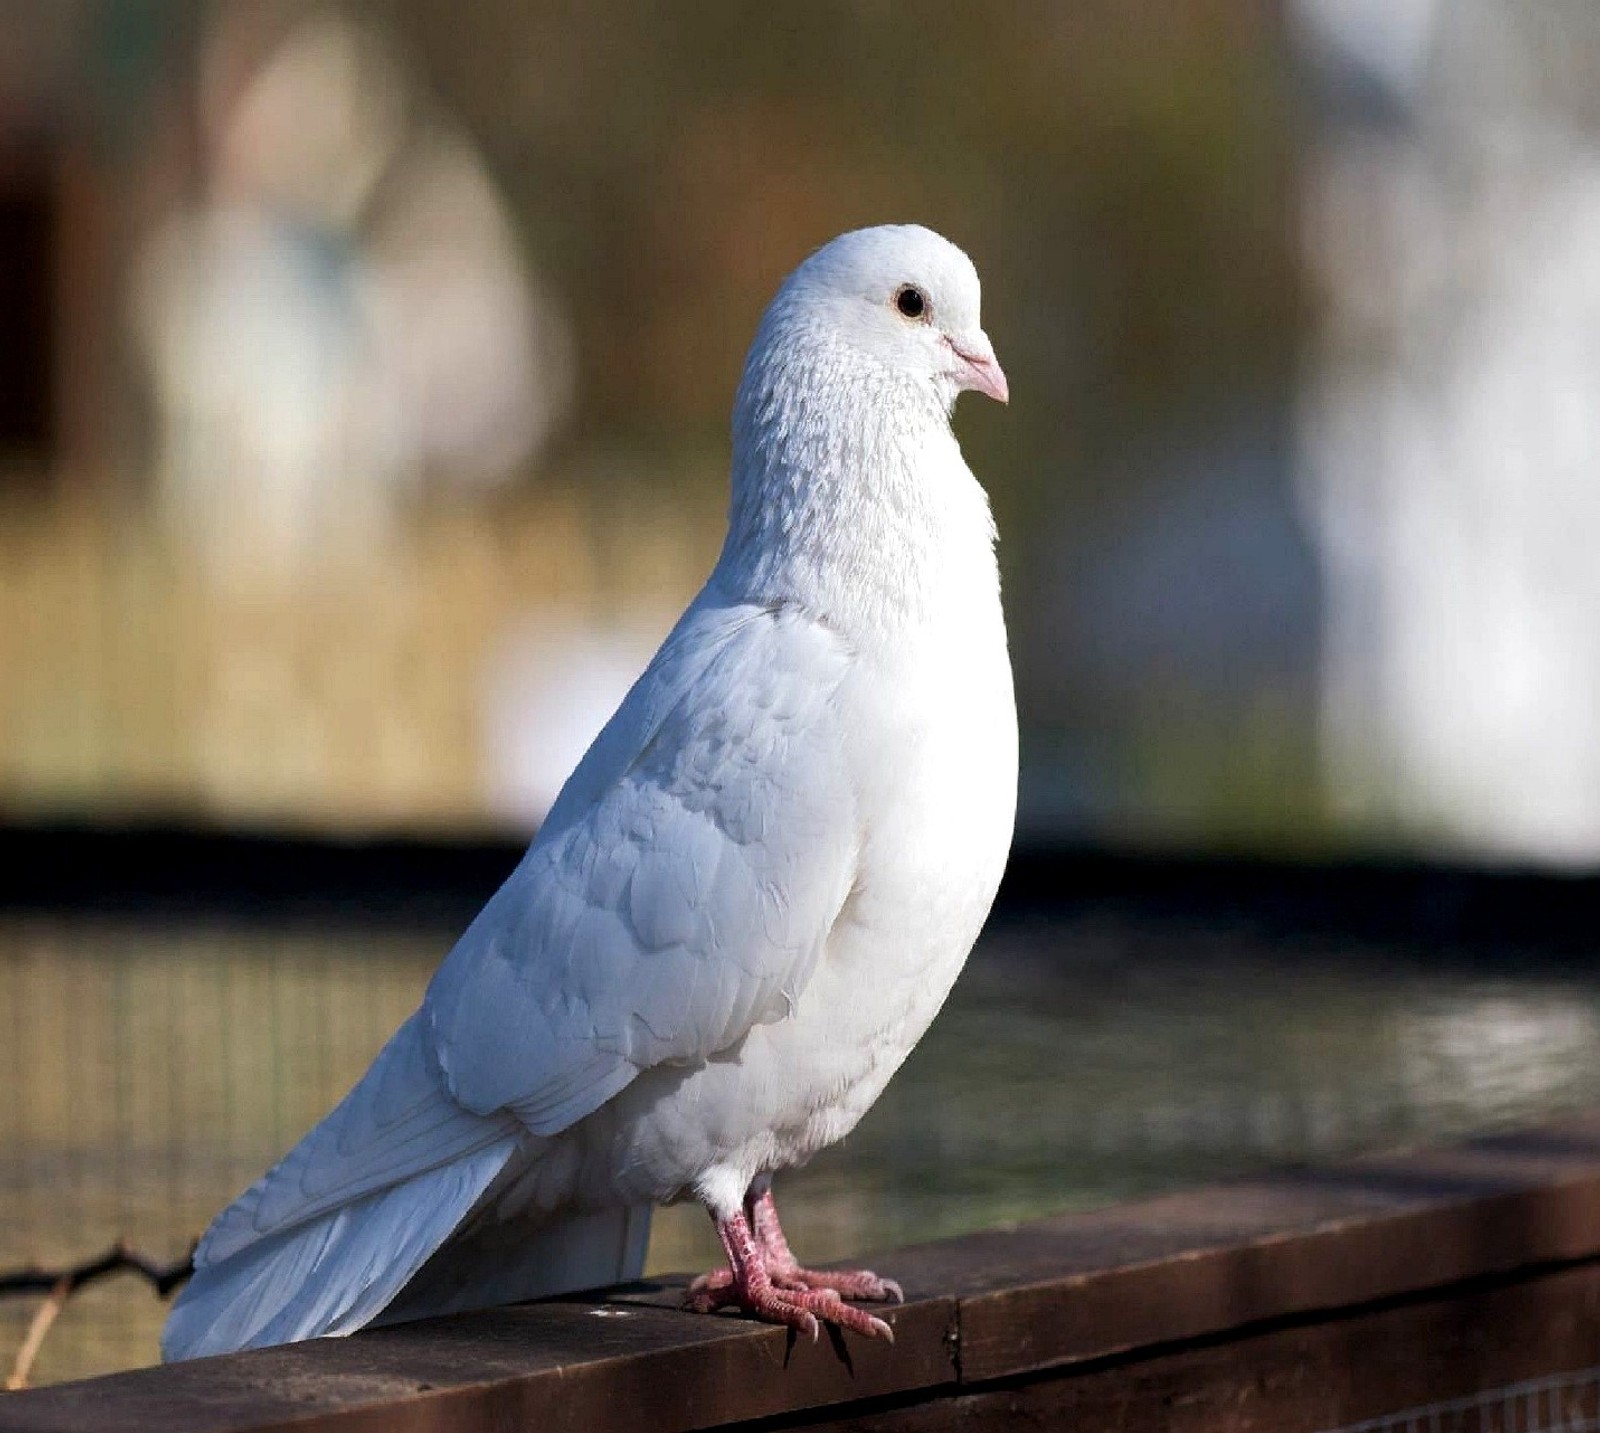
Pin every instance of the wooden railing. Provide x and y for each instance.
(1291, 1303)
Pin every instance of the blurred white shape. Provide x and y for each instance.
(313, 129)
(471, 351)
(345, 313)
(1450, 441)
(1384, 40)
(269, 444)
(549, 686)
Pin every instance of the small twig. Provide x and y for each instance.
(58, 1285)
(37, 1329)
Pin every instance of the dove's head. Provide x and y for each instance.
(895, 304)
(849, 489)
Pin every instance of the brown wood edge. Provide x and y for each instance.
(1420, 1360)
(1002, 1304)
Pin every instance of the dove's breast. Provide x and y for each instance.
(937, 775)
(929, 724)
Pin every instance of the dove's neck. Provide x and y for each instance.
(851, 498)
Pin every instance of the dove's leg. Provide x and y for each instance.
(785, 1269)
(747, 1283)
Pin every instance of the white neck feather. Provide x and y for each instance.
(850, 495)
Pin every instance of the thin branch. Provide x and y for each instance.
(59, 1285)
(163, 1278)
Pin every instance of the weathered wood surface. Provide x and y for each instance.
(1297, 1300)
(1305, 1377)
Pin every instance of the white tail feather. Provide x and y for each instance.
(333, 1274)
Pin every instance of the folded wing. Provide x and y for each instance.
(688, 900)
(681, 891)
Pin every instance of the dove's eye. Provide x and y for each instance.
(911, 301)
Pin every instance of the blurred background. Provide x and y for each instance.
(364, 385)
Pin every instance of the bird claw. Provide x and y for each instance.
(860, 1284)
(766, 1281)
(717, 1290)
(794, 1305)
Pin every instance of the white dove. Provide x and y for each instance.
(746, 905)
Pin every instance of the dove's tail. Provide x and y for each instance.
(391, 1257)
(380, 1191)
(332, 1275)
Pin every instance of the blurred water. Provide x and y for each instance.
(154, 1070)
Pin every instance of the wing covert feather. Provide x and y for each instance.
(686, 901)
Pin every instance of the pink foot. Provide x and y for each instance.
(787, 1272)
(799, 1308)
(748, 1283)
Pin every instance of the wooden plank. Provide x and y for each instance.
(1321, 1376)
(1050, 1295)
(574, 1364)
(1086, 1286)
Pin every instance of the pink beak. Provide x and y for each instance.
(980, 370)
